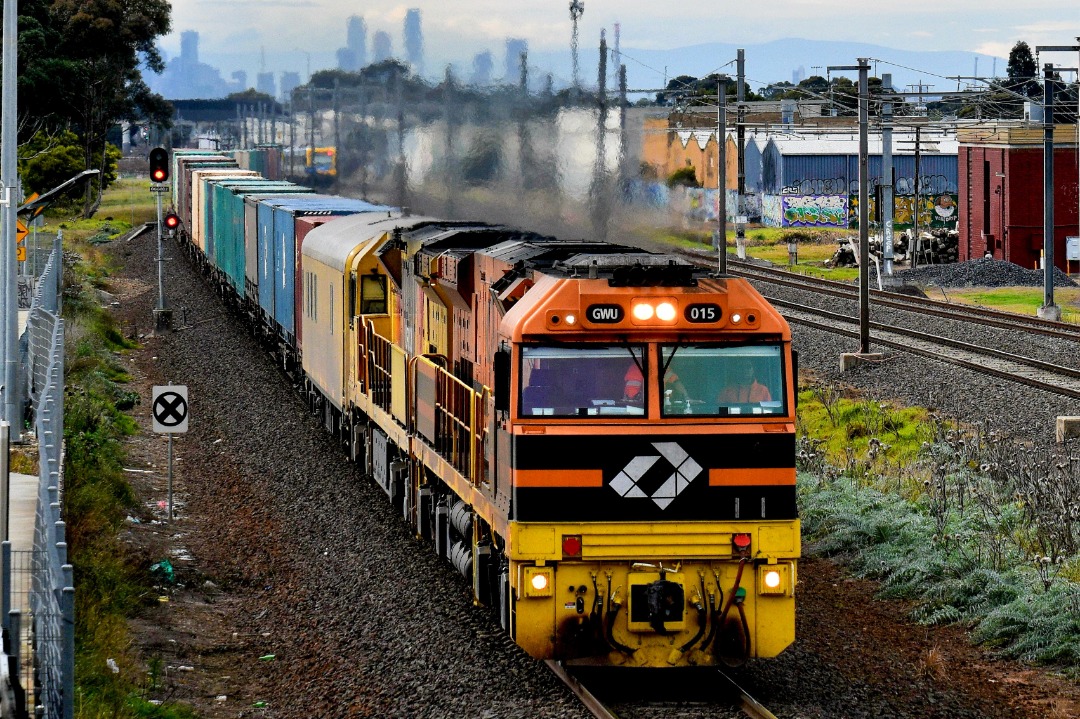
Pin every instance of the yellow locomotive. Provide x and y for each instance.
(600, 438)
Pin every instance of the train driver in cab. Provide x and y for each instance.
(744, 387)
(635, 387)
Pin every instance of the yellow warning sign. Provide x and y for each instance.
(20, 240)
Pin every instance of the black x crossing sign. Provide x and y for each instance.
(170, 408)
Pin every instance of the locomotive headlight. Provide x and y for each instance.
(775, 579)
(648, 309)
(736, 318)
(571, 320)
(538, 581)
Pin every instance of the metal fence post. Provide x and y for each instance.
(5, 582)
(67, 653)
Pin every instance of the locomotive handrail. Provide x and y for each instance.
(454, 407)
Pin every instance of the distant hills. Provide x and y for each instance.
(775, 62)
(646, 69)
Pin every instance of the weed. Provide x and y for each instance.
(932, 665)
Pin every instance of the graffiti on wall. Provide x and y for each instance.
(772, 211)
(934, 211)
(815, 211)
(928, 185)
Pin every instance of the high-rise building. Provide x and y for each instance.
(381, 46)
(414, 41)
(356, 42)
(289, 82)
(346, 60)
(186, 78)
(189, 48)
(264, 83)
(483, 65)
(515, 46)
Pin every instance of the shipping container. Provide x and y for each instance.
(182, 183)
(228, 221)
(202, 208)
(277, 238)
(178, 158)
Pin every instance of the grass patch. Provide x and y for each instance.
(964, 523)
(1018, 300)
(112, 584)
(863, 436)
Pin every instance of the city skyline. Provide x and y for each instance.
(456, 32)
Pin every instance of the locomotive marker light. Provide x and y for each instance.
(538, 581)
(774, 579)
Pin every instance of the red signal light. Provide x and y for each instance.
(172, 221)
(159, 164)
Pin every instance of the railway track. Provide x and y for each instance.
(731, 690)
(908, 303)
(989, 360)
(1064, 381)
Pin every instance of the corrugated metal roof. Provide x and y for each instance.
(903, 144)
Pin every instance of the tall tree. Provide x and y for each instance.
(80, 69)
(1022, 71)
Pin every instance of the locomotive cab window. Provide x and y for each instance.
(582, 382)
(723, 381)
(373, 294)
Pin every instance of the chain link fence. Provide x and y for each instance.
(40, 580)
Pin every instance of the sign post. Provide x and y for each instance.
(169, 408)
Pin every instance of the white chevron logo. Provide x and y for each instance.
(686, 470)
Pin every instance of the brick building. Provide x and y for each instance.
(1001, 192)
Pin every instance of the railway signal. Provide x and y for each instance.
(159, 175)
(159, 164)
(172, 221)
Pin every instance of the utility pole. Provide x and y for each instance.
(9, 176)
(886, 209)
(337, 135)
(1049, 310)
(721, 175)
(740, 141)
(864, 211)
(577, 9)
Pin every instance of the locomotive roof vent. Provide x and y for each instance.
(640, 275)
(637, 270)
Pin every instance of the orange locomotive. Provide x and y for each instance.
(600, 438)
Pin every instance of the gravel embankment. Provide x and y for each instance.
(310, 564)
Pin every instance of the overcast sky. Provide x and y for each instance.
(289, 33)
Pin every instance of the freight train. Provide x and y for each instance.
(601, 439)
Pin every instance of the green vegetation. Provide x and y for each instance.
(966, 525)
(112, 584)
(683, 177)
(80, 73)
(1019, 300)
